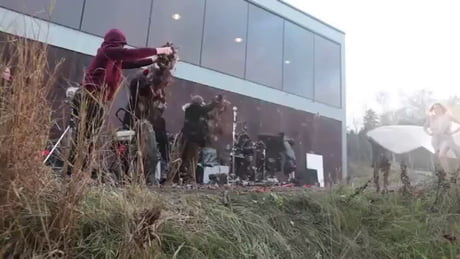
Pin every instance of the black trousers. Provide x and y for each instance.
(86, 121)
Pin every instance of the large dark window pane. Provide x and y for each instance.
(327, 71)
(130, 16)
(298, 60)
(224, 40)
(65, 12)
(265, 47)
(181, 22)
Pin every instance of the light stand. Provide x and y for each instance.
(235, 113)
(264, 153)
(56, 145)
(70, 93)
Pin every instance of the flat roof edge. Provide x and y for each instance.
(311, 16)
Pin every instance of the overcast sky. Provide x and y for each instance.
(394, 45)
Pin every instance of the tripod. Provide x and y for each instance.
(70, 93)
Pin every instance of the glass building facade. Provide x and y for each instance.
(263, 42)
(235, 37)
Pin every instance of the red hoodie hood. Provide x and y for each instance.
(104, 72)
(113, 38)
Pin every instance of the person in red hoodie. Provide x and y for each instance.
(100, 84)
(104, 73)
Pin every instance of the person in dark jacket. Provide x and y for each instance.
(140, 100)
(195, 133)
(147, 89)
(159, 125)
(288, 158)
(196, 120)
(161, 136)
(380, 162)
(145, 100)
(100, 84)
(244, 155)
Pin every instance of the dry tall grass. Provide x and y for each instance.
(42, 214)
(37, 211)
(43, 217)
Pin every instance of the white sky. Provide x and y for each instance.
(395, 46)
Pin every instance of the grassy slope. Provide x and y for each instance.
(259, 225)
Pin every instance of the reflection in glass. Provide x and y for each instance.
(132, 18)
(265, 48)
(327, 72)
(65, 12)
(225, 36)
(180, 22)
(298, 60)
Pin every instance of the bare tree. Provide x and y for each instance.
(383, 99)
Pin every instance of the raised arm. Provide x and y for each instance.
(454, 119)
(216, 102)
(137, 63)
(426, 126)
(135, 54)
(209, 107)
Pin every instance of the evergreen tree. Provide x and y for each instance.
(370, 120)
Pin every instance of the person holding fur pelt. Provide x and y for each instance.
(196, 119)
(101, 82)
